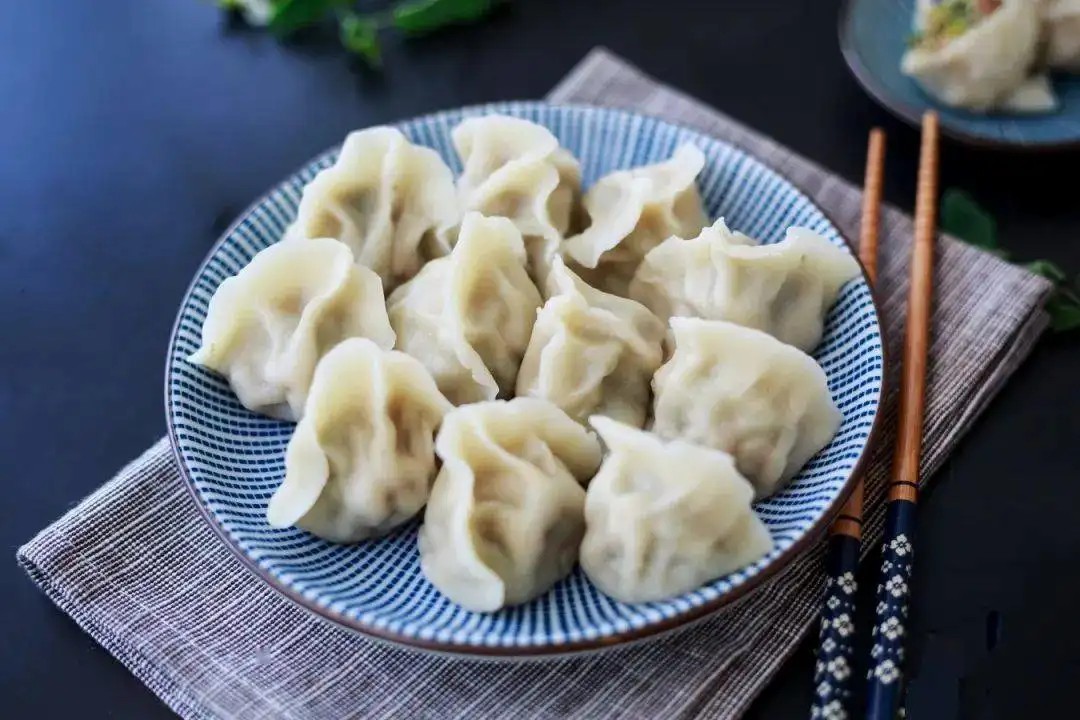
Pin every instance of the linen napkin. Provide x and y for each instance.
(137, 567)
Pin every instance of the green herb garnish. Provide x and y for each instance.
(359, 33)
(963, 218)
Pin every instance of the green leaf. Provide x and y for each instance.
(360, 35)
(418, 17)
(963, 217)
(292, 15)
(1049, 270)
(1064, 313)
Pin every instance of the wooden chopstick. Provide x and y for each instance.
(886, 689)
(833, 672)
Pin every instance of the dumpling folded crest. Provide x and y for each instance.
(362, 459)
(505, 518)
(268, 326)
(784, 289)
(662, 518)
(467, 317)
(391, 202)
(592, 352)
(738, 390)
(631, 212)
(515, 169)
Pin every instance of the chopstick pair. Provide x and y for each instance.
(833, 675)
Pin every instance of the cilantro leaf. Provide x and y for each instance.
(1049, 270)
(418, 17)
(289, 16)
(360, 35)
(963, 217)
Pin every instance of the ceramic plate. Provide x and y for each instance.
(873, 37)
(234, 459)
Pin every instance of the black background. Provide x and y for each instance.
(132, 132)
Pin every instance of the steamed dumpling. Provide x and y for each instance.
(267, 327)
(744, 392)
(467, 317)
(390, 201)
(631, 212)
(506, 514)
(784, 289)
(968, 58)
(362, 459)
(663, 518)
(515, 169)
(1061, 27)
(591, 352)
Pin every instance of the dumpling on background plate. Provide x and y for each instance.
(515, 169)
(665, 517)
(267, 327)
(362, 458)
(744, 392)
(390, 201)
(592, 352)
(1061, 32)
(506, 514)
(980, 56)
(468, 316)
(784, 289)
(632, 211)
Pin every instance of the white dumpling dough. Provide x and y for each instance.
(744, 392)
(506, 514)
(267, 327)
(784, 289)
(592, 352)
(1061, 29)
(631, 212)
(515, 168)
(468, 316)
(393, 203)
(663, 518)
(988, 66)
(362, 459)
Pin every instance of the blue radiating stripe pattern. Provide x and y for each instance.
(235, 459)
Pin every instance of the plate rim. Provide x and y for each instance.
(549, 650)
(912, 115)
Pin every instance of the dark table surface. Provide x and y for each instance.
(131, 133)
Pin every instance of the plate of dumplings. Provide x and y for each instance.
(1000, 72)
(522, 379)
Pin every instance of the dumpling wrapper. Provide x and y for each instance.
(592, 352)
(362, 459)
(665, 517)
(268, 326)
(987, 67)
(506, 514)
(746, 393)
(514, 168)
(1061, 30)
(468, 317)
(784, 289)
(631, 212)
(393, 203)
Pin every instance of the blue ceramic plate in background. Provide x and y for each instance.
(873, 37)
(234, 459)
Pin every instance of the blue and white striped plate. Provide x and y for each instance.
(234, 459)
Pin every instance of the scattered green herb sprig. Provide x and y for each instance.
(962, 217)
(359, 32)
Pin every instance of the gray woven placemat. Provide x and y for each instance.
(135, 565)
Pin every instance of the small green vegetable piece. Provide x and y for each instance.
(360, 35)
(961, 216)
(417, 17)
(1047, 269)
(292, 15)
(1064, 309)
